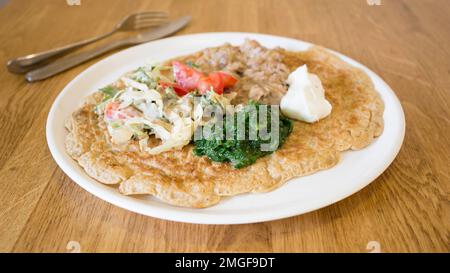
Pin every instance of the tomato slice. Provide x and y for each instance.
(185, 76)
(216, 82)
(204, 85)
(112, 111)
(221, 80)
(177, 88)
(188, 79)
(227, 79)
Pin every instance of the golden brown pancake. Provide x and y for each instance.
(183, 179)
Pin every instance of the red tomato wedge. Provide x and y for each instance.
(227, 79)
(204, 85)
(177, 88)
(188, 79)
(220, 80)
(216, 82)
(185, 76)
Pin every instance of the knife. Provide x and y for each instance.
(63, 64)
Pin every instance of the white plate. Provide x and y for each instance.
(355, 170)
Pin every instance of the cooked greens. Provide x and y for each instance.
(241, 153)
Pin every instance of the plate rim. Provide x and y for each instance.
(180, 214)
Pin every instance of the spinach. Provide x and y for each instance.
(241, 153)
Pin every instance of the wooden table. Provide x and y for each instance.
(407, 42)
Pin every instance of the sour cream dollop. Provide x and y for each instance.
(305, 99)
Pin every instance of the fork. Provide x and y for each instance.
(72, 60)
(134, 21)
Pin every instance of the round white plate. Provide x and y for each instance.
(355, 170)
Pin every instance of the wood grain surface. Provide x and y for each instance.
(407, 42)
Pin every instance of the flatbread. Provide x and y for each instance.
(183, 179)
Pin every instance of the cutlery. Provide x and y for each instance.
(71, 61)
(134, 21)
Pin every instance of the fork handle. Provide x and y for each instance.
(63, 64)
(21, 63)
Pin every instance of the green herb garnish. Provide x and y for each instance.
(192, 64)
(108, 92)
(140, 75)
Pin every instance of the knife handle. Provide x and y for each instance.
(63, 64)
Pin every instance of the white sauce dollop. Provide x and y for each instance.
(305, 99)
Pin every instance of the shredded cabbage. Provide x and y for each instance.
(142, 108)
